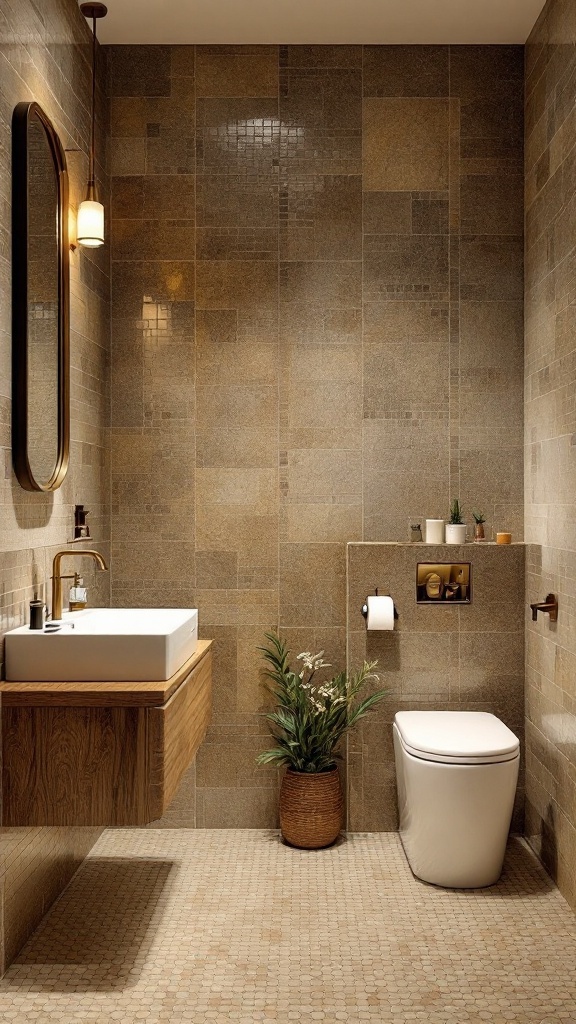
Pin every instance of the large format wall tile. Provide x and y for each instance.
(488, 81)
(336, 348)
(550, 452)
(406, 70)
(243, 285)
(236, 71)
(405, 143)
(321, 218)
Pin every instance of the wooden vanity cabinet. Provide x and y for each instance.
(101, 753)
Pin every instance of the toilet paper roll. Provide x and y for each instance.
(380, 612)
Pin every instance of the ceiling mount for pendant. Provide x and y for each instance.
(94, 10)
(90, 223)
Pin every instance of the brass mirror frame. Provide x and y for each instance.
(23, 112)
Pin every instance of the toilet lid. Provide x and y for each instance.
(458, 737)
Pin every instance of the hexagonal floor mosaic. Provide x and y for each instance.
(215, 926)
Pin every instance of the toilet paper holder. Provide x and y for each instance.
(364, 609)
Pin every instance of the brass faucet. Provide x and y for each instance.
(57, 576)
(550, 605)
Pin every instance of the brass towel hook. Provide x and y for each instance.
(550, 605)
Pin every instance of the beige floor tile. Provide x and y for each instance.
(232, 926)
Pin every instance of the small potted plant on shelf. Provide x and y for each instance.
(456, 527)
(307, 723)
(479, 520)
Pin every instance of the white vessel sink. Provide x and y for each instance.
(105, 645)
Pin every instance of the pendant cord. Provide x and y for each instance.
(92, 130)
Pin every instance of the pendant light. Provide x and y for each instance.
(90, 222)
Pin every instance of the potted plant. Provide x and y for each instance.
(479, 520)
(308, 721)
(456, 527)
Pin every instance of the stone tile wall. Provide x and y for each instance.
(45, 56)
(317, 333)
(438, 658)
(550, 453)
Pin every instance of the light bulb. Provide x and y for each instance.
(90, 224)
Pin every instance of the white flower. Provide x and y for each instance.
(308, 663)
(313, 662)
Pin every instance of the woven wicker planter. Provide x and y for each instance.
(311, 808)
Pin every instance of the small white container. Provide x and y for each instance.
(455, 533)
(434, 531)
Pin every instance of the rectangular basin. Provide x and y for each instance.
(105, 645)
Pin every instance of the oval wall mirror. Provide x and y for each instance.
(40, 302)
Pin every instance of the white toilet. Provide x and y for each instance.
(456, 777)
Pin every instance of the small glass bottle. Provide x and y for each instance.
(415, 529)
(78, 595)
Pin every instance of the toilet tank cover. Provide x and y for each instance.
(470, 735)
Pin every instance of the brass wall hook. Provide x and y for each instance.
(550, 606)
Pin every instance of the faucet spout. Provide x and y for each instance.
(57, 576)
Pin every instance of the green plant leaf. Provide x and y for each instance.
(456, 513)
(310, 717)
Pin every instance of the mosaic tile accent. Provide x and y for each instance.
(234, 926)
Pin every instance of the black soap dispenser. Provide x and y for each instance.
(37, 613)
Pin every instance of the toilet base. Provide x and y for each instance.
(454, 818)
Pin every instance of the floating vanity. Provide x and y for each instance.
(112, 752)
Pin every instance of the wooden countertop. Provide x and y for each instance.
(112, 694)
